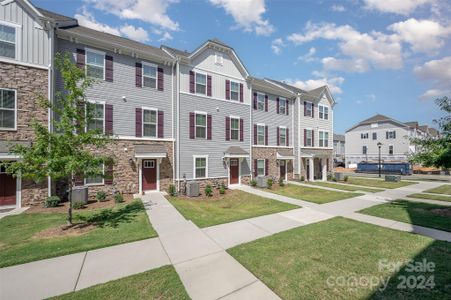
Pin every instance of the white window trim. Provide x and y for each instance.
(286, 105)
(264, 98)
(195, 83)
(324, 109)
(239, 127)
(194, 166)
(264, 167)
(264, 133)
(319, 138)
(195, 124)
(96, 102)
(156, 75)
(96, 52)
(285, 128)
(311, 137)
(15, 111)
(94, 184)
(156, 123)
(312, 113)
(18, 36)
(230, 90)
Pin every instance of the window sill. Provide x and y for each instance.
(8, 129)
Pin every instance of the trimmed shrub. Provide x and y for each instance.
(281, 183)
(52, 201)
(171, 190)
(269, 183)
(222, 190)
(346, 178)
(101, 196)
(208, 191)
(302, 178)
(118, 198)
(253, 183)
(78, 205)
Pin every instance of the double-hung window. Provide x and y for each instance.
(96, 116)
(234, 91)
(390, 150)
(374, 135)
(261, 167)
(323, 112)
(260, 134)
(260, 101)
(283, 136)
(150, 76)
(95, 64)
(364, 136)
(391, 134)
(324, 139)
(234, 129)
(95, 179)
(364, 150)
(201, 125)
(283, 106)
(200, 167)
(201, 84)
(308, 138)
(8, 41)
(150, 123)
(309, 109)
(8, 109)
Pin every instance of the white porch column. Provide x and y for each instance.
(311, 169)
(324, 171)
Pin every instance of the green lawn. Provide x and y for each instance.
(19, 244)
(431, 197)
(312, 194)
(443, 189)
(423, 214)
(345, 187)
(378, 183)
(233, 206)
(161, 283)
(298, 263)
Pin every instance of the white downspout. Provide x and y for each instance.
(178, 122)
(173, 126)
(251, 126)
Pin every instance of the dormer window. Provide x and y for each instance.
(8, 41)
(219, 60)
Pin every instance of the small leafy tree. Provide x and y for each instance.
(436, 151)
(69, 150)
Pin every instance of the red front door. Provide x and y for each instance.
(149, 174)
(283, 169)
(7, 189)
(234, 171)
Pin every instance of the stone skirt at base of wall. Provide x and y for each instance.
(214, 182)
(270, 153)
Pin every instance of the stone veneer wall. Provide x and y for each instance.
(270, 153)
(304, 167)
(29, 83)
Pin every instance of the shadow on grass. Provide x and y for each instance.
(112, 217)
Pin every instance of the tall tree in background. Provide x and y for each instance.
(436, 151)
(69, 150)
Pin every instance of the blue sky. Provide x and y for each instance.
(378, 56)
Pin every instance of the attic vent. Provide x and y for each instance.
(374, 125)
(219, 59)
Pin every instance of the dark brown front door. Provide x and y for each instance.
(283, 169)
(234, 171)
(7, 189)
(149, 171)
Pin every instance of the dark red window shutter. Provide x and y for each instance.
(160, 124)
(266, 102)
(138, 74)
(109, 68)
(305, 108)
(108, 119)
(286, 107)
(305, 137)
(139, 128)
(78, 180)
(241, 93)
(288, 137)
(313, 138)
(191, 82)
(209, 123)
(241, 130)
(227, 128)
(278, 136)
(255, 134)
(313, 110)
(255, 100)
(81, 58)
(227, 89)
(108, 178)
(266, 167)
(209, 85)
(255, 168)
(192, 127)
(266, 135)
(160, 79)
(278, 104)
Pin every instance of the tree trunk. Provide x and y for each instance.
(69, 217)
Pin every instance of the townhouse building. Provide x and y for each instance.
(174, 116)
(339, 149)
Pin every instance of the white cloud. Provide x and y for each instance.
(402, 7)
(423, 35)
(247, 14)
(357, 65)
(165, 37)
(369, 98)
(309, 56)
(377, 49)
(334, 84)
(135, 33)
(338, 8)
(439, 73)
(86, 19)
(150, 11)
(277, 45)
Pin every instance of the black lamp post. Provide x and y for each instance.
(379, 145)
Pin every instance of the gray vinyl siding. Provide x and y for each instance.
(215, 147)
(33, 42)
(206, 60)
(316, 123)
(272, 119)
(124, 85)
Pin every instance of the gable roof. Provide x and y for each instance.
(59, 20)
(271, 87)
(378, 118)
(339, 137)
(288, 86)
